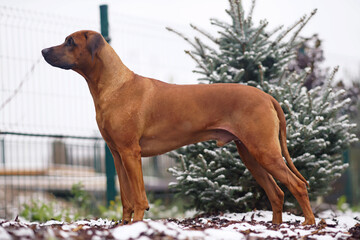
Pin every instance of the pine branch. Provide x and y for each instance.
(201, 65)
(219, 23)
(232, 11)
(270, 34)
(206, 34)
(232, 14)
(287, 31)
(261, 74)
(304, 75)
(302, 26)
(239, 11)
(182, 36)
(332, 75)
(249, 18)
(201, 48)
(254, 38)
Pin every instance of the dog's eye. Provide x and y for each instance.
(70, 42)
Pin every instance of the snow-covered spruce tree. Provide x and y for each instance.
(214, 178)
(311, 55)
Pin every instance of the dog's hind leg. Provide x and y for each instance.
(265, 180)
(278, 169)
(261, 138)
(273, 162)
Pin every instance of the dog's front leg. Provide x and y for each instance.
(125, 188)
(131, 160)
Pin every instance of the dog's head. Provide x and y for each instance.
(77, 52)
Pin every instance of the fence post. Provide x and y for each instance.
(104, 22)
(5, 184)
(110, 175)
(109, 161)
(3, 151)
(348, 188)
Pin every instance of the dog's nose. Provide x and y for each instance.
(45, 51)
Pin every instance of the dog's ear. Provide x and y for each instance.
(94, 43)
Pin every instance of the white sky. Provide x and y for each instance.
(337, 22)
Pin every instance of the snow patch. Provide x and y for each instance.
(132, 231)
(4, 235)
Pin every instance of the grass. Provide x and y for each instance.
(84, 206)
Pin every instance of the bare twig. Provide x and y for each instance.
(17, 90)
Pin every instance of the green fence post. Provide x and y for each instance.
(110, 175)
(3, 151)
(104, 22)
(109, 161)
(348, 188)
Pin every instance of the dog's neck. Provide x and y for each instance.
(107, 73)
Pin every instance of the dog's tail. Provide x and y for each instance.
(284, 149)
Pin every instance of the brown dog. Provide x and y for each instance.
(139, 116)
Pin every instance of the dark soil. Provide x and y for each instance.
(89, 230)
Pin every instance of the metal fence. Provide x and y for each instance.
(48, 135)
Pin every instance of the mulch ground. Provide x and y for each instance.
(202, 227)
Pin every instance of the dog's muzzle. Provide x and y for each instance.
(53, 60)
(45, 52)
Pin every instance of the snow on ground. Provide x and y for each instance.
(251, 225)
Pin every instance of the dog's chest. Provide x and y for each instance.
(115, 123)
(103, 125)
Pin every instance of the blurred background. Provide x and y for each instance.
(49, 140)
